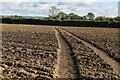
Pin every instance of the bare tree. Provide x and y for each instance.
(54, 11)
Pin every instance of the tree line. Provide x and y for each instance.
(56, 14)
(59, 18)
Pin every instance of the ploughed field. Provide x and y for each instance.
(36, 51)
(28, 51)
(106, 39)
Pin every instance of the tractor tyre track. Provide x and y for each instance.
(65, 67)
(113, 63)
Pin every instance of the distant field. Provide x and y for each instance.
(36, 51)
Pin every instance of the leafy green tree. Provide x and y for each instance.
(90, 16)
(84, 17)
(74, 16)
(100, 18)
(117, 18)
(109, 19)
(61, 16)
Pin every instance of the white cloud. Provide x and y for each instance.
(28, 8)
(42, 8)
(60, 0)
(83, 9)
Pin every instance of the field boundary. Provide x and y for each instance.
(81, 23)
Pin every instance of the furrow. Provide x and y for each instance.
(65, 67)
(99, 52)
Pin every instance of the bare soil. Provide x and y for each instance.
(106, 39)
(65, 67)
(90, 63)
(47, 52)
(28, 51)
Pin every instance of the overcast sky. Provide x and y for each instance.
(107, 8)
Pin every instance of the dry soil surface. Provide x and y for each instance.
(50, 52)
